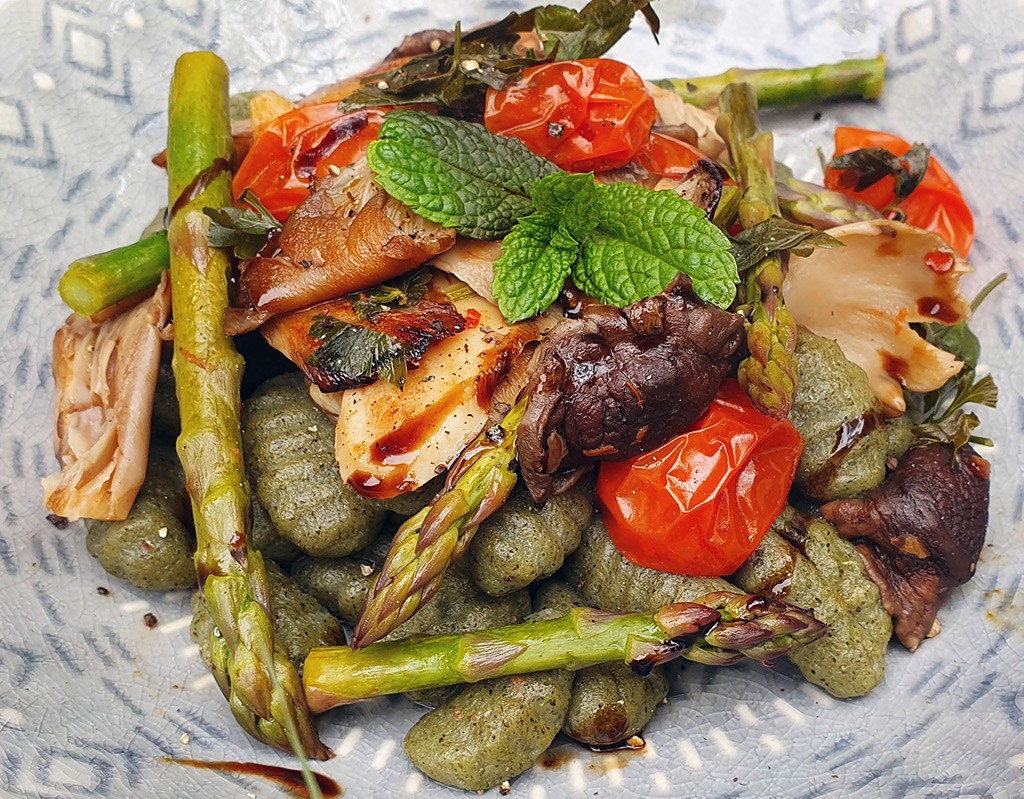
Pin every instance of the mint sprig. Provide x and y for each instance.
(619, 243)
(630, 242)
(457, 174)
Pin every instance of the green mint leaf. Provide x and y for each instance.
(590, 32)
(642, 239)
(245, 230)
(356, 355)
(455, 173)
(537, 257)
(569, 196)
(776, 234)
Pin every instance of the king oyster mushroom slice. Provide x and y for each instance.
(390, 441)
(866, 294)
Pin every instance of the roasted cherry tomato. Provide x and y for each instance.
(936, 204)
(299, 146)
(702, 502)
(588, 115)
(667, 157)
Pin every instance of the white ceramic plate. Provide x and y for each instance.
(91, 701)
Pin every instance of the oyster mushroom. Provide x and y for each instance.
(390, 441)
(673, 111)
(347, 235)
(105, 373)
(866, 294)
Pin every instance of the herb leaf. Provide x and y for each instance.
(356, 355)
(865, 167)
(537, 257)
(456, 76)
(956, 429)
(619, 243)
(406, 290)
(244, 229)
(776, 234)
(457, 174)
(642, 239)
(592, 31)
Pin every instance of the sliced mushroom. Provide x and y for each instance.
(105, 377)
(391, 441)
(347, 235)
(866, 294)
(415, 329)
(674, 111)
(472, 262)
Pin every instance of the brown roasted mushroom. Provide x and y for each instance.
(920, 533)
(347, 235)
(616, 382)
(409, 331)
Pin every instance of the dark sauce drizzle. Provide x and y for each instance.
(288, 778)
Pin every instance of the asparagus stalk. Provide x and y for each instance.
(853, 78)
(96, 282)
(429, 542)
(720, 629)
(821, 208)
(261, 685)
(768, 374)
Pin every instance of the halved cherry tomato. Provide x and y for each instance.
(587, 115)
(936, 204)
(667, 157)
(702, 502)
(302, 145)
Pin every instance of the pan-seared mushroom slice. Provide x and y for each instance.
(326, 341)
(347, 235)
(866, 294)
(391, 441)
(472, 262)
(105, 375)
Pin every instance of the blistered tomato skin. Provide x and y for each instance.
(936, 204)
(701, 503)
(300, 146)
(589, 115)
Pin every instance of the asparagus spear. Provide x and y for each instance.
(821, 208)
(720, 629)
(429, 542)
(261, 685)
(853, 78)
(768, 374)
(95, 282)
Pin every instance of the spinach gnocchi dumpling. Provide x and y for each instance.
(289, 450)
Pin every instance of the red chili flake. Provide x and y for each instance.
(472, 318)
(939, 262)
(979, 466)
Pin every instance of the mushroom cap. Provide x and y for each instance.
(866, 294)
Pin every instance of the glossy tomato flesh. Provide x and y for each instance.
(702, 502)
(937, 203)
(588, 115)
(300, 146)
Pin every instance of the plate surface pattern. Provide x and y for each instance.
(92, 702)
